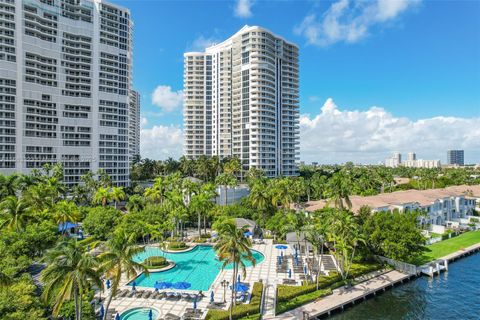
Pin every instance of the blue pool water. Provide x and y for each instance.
(138, 314)
(199, 267)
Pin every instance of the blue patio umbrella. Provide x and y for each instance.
(162, 285)
(247, 234)
(289, 273)
(150, 315)
(133, 285)
(240, 287)
(281, 247)
(117, 317)
(108, 283)
(181, 285)
(194, 304)
(212, 296)
(102, 311)
(296, 261)
(238, 278)
(305, 269)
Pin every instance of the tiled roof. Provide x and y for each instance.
(390, 200)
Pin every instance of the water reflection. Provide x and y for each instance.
(452, 295)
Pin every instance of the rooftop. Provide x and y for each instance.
(422, 197)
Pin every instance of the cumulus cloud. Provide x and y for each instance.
(350, 20)
(202, 42)
(243, 8)
(167, 99)
(337, 136)
(161, 142)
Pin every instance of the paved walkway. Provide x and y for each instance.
(342, 296)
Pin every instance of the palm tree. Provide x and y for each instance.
(226, 180)
(14, 213)
(316, 233)
(117, 195)
(233, 248)
(65, 211)
(118, 260)
(135, 203)
(102, 196)
(70, 273)
(259, 197)
(339, 190)
(8, 185)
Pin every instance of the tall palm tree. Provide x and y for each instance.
(260, 198)
(70, 273)
(226, 180)
(233, 248)
(8, 185)
(14, 213)
(117, 259)
(339, 190)
(117, 194)
(66, 211)
(102, 196)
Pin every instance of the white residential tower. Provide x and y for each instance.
(242, 100)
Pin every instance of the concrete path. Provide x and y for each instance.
(342, 296)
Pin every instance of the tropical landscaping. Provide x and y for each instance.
(59, 243)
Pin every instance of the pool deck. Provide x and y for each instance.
(265, 271)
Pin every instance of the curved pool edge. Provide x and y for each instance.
(126, 312)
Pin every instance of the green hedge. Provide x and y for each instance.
(287, 292)
(248, 311)
(177, 245)
(296, 302)
(155, 262)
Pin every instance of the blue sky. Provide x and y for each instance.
(408, 65)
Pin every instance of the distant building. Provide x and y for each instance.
(455, 157)
(394, 161)
(420, 163)
(411, 156)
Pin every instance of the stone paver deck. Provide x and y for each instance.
(265, 271)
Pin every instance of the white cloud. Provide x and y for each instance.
(243, 8)
(165, 98)
(143, 121)
(161, 142)
(200, 43)
(350, 20)
(337, 136)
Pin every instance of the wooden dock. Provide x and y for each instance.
(342, 297)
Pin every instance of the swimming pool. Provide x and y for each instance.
(199, 267)
(139, 314)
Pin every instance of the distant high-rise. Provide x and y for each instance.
(65, 78)
(394, 161)
(242, 100)
(412, 156)
(455, 157)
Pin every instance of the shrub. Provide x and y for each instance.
(155, 262)
(474, 220)
(199, 240)
(250, 311)
(286, 292)
(206, 236)
(296, 302)
(177, 245)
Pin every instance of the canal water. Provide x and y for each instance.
(452, 295)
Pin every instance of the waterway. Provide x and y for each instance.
(452, 295)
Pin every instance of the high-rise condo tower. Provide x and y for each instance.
(242, 100)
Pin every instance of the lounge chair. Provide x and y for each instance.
(185, 295)
(146, 294)
(131, 294)
(169, 294)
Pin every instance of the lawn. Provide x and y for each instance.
(445, 247)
